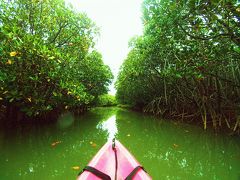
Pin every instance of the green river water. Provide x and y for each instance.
(167, 150)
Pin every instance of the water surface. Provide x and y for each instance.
(167, 150)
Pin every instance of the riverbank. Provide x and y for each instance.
(188, 119)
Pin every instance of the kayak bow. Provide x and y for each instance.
(113, 161)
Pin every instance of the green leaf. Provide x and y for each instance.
(11, 100)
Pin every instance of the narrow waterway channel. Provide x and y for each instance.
(167, 150)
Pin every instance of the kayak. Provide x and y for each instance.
(113, 161)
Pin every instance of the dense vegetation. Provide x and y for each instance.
(187, 62)
(47, 59)
(106, 100)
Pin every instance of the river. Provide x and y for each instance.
(167, 149)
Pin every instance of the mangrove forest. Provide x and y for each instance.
(85, 94)
(186, 65)
(48, 61)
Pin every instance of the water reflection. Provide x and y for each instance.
(178, 151)
(65, 120)
(167, 150)
(110, 126)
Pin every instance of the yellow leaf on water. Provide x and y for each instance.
(13, 53)
(29, 99)
(56, 143)
(175, 145)
(76, 168)
(94, 145)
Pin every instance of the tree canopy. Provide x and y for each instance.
(187, 62)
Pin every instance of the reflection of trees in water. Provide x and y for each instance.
(176, 150)
(27, 149)
(165, 148)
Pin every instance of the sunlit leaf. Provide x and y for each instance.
(11, 100)
(9, 62)
(13, 53)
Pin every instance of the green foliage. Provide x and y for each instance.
(46, 60)
(187, 62)
(106, 100)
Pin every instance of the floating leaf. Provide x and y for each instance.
(56, 143)
(76, 167)
(175, 145)
(94, 145)
(29, 99)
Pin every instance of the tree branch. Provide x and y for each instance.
(57, 34)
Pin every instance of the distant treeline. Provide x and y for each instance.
(47, 59)
(186, 65)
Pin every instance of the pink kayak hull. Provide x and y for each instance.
(104, 161)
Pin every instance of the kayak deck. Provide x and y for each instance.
(105, 161)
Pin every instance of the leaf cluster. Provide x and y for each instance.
(47, 57)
